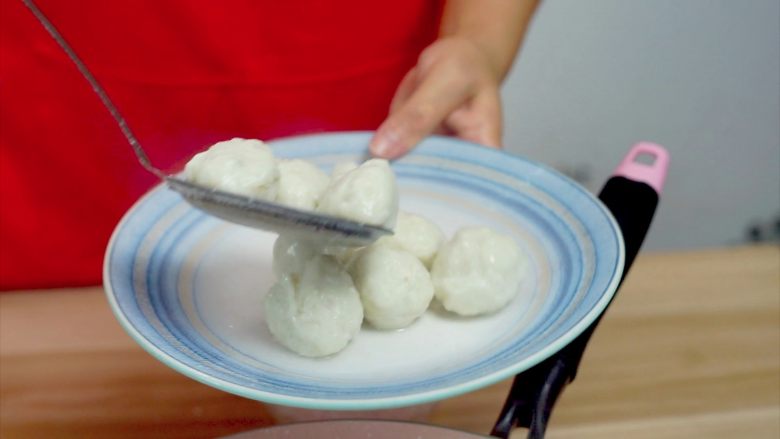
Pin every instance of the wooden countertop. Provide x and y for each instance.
(690, 348)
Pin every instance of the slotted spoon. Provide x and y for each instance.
(235, 208)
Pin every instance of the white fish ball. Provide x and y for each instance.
(477, 272)
(316, 314)
(301, 184)
(367, 194)
(417, 236)
(394, 286)
(240, 166)
(342, 168)
(290, 255)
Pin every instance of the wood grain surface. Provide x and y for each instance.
(689, 349)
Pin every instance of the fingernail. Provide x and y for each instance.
(380, 147)
(386, 145)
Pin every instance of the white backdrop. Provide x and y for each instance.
(701, 77)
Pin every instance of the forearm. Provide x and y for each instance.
(496, 26)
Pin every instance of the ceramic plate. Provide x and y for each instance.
(189, 288)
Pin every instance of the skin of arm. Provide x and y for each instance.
(454, 88)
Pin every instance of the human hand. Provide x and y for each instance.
(453, 89)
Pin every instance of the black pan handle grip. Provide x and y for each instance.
(631, 195)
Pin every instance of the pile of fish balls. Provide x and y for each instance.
(322, 296)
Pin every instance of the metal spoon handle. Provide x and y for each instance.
(126, 131)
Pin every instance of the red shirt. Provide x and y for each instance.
(185, 74)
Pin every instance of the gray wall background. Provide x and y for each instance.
(701, 77)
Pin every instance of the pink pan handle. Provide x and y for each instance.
(653, 174)
(631, 195)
